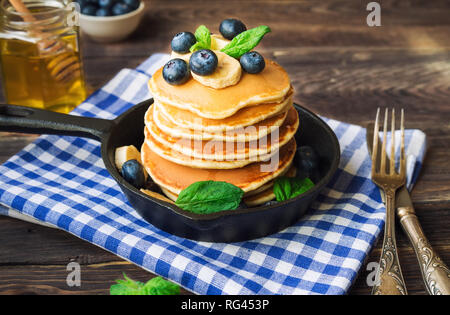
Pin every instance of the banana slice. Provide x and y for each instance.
(228, 72)
(218, 42)
(185, 57)
(126, 153)
(156, 195)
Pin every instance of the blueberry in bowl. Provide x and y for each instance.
(110, 20)
(89, 9)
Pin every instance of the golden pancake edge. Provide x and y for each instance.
(176, 177)
(221, 150)
(270, 85)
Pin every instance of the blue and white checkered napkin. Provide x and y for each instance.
(62, 181)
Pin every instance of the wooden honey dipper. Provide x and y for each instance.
(65, 66)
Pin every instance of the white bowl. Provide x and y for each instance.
(107, 29)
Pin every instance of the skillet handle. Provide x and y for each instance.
(15, 118)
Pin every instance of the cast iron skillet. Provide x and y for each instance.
(225, 226)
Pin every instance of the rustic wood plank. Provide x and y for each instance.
(11, 143)
(294, 23)
(51, 279)
(340, 68)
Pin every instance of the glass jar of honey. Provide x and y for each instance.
(40, 55)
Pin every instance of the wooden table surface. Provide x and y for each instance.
(340, 67)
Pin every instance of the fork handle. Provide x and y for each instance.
(435, 273)
(389, 278)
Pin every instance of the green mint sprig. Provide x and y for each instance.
(286, 188)
(155, 286)
(206, 197)
(245, 41)
(203, 36)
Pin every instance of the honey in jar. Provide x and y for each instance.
(40, 57)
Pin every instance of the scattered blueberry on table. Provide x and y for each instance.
(107, 7)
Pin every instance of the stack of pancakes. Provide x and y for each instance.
(242, 134)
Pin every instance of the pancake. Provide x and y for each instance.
(251, 199)
(291, 172)
(175, 177)
(244, 117)
(260, 129)
(166, 152)
(226, 151)
(269, 86)
(259, 198)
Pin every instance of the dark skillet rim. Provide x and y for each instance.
(221, 214)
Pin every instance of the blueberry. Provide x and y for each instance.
(252, 62)
(203, 62)
(120, 8)
(133, 172)
(181, 42)
(82, 3)
(306, 160)
(103, 12)
(151, 185)
(176, 71)
(229, 28)
(133, 4)
(242, 205)
(106, 3)
(89, 9)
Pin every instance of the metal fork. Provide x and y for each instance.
(389, 276)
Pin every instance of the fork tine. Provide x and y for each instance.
(392, 164)
(402, 146)
(376, 130)
(383, 145)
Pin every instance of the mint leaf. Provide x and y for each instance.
(245, 41)
(203, 36)
(209, 196)
(126, 287)
(197, 46)
(159, 286)
(155, 286)
(286, 188)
